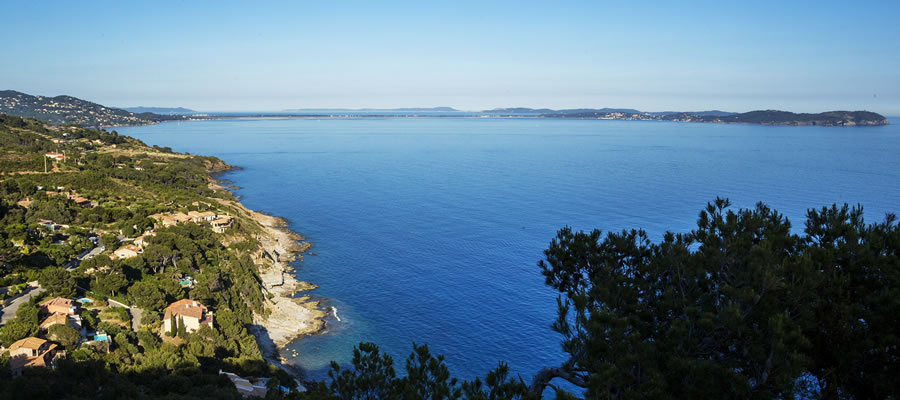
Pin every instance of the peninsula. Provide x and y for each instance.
(133, 263)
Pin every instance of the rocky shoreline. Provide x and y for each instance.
(286, 316)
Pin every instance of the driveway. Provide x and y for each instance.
(9, 311)
(136, 314)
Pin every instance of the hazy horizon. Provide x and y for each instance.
(228, 57)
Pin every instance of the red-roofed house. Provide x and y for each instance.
(188, 312)
(33, 352)
(58, 305)
(127, 251)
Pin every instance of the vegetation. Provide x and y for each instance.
(71, 110)
(125, 182)
(775, 117)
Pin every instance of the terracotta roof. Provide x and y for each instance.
(56, 318)
(129, 247)
(57, 301)
(31, 343)
(186, 308)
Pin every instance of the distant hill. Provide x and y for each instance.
(412, 109)
(547, 111)
(710, 113)
(71, 110)
(518, 110)
(776, 117)
(160, 110)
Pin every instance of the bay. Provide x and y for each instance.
(428, 230)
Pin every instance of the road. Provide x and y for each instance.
(72, 264)
(9, 311)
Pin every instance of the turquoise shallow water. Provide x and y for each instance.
(429, 230)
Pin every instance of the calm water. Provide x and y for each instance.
(429, 230)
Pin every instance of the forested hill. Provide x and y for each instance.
(775, 117)
(71, 110)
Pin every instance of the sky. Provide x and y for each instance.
(804, 56)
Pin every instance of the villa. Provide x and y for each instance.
(172, 219)
(188, 312)
(72, 320)
(55, 156)
(127, 251)
(58, 305)
(33, 352)
(220, 224)
(205, 216)
(141, 241)
(246, 387)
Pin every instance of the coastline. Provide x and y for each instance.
(286, 316)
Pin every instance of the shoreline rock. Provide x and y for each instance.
(286, 316)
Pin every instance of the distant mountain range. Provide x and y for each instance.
(160, 110)
(71, 110)
(413, 109)
(547, 111)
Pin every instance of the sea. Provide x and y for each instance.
(429, 230)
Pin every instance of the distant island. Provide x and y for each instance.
(762, 117)
(160, 110)
(71, 110)
(775, 117)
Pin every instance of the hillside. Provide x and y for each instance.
(71, 110)
(775, 117)
(89, 214)
(160, 110)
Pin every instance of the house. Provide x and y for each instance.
(205, 216)
(247, 387)
(84, 202)
(220, 224)
(55, 156)
(33, 352)
(171, 219)
(50, 225)
(141, 241)
(188, 312)
(59, 305)
(25, 203)
(73, 321)
(127, 251)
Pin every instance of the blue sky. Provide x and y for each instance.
(654, 56)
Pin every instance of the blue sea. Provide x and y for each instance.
(429, 230)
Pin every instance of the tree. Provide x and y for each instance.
(15, 330)
(109, 241)
(854, 312)
(147, 295)
(427, 377)
(173, 327)
(58, 281)
(65, 335)
(181, 332)
(109, 283)
(739, 307)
